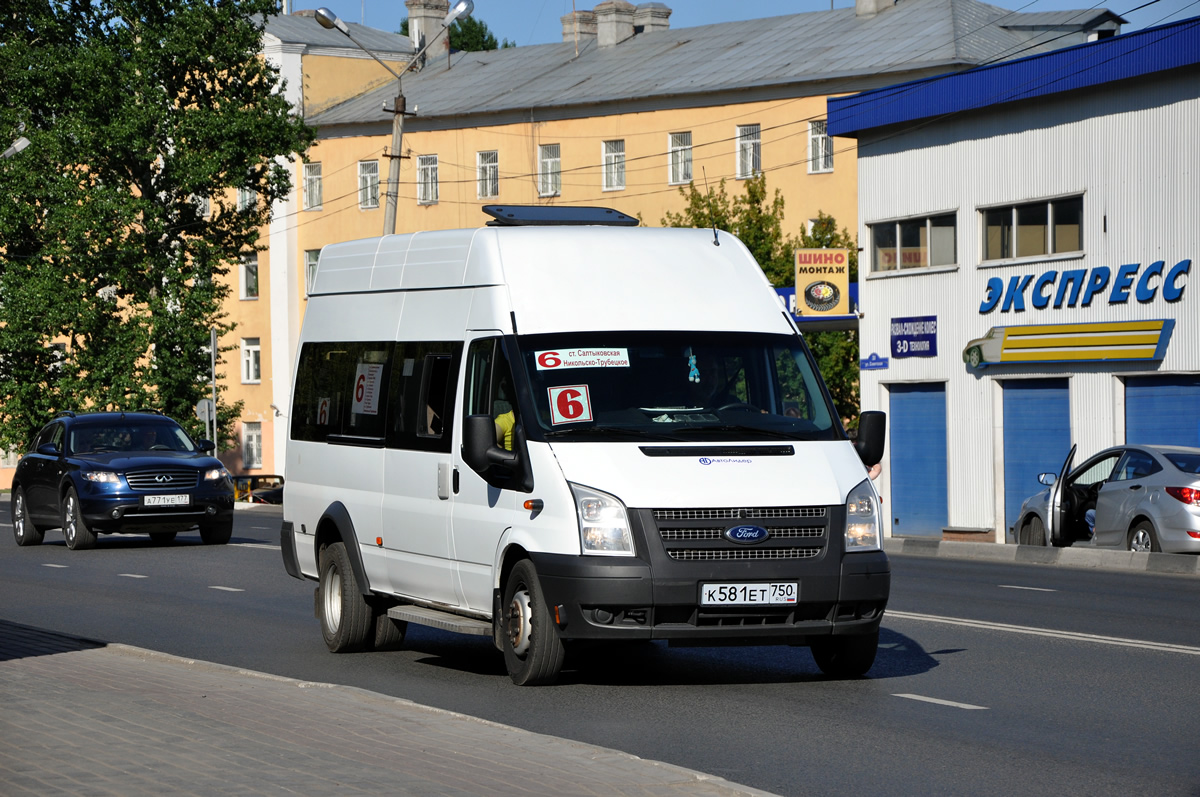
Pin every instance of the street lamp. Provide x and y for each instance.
(329, 20)
(18, 145)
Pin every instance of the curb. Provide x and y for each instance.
(1085, 558)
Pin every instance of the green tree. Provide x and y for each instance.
(118, 222)
(757, 219)
(469, 35)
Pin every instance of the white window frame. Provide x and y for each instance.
(312, 186)
(613, 153)
(203, 205)
(549, 169)
(820, 147)
(251, 361)
(487, 174)
(934, 242)
(368, 185)
(246, 199)
(1010, 249)
(252, 444)
(679, 158)
(749, 151)
(248, 266)
(311, 257)
(427, 179)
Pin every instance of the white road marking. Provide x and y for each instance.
(1073, 635)
(46, 565)
(228, 589)
(1031, 589)
(256, 545)
(949, 703)
(131, 575)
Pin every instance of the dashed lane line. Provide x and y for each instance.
(256, 545)
(132, 575)
(46, 564)
(949, 703)
(1072, 635)
(1031, 589)
(227, 589)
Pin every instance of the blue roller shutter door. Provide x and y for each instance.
(917, 445)
(1037, 437)
(1162, 410)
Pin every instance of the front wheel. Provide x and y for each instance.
(1143, 539)
(347, 622)
(217, 533)
(75, 528)
(1034, 532)
(846, 656)
(533, 653)
(25, 532)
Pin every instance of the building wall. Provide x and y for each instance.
(1129, 150)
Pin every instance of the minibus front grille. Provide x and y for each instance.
(741, 513)
(740, 554)
(785, 532)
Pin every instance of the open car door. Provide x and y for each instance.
(1056, 516)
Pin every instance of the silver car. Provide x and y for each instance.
(1143, 498)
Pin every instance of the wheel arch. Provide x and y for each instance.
(336, 526)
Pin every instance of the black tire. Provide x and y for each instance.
(533, 653)
(24, 530)
(74, 527)
(846, 656)
(162, 537)
(1143, 538)
(347, 623)
(216, 533)
(1035, 532)
(388, 633)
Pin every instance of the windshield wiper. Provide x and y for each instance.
(609, 431)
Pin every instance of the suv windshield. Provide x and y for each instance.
(99, 438)
(676, 386)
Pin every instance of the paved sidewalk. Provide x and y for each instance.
(84, 718)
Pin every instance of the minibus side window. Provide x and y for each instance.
(341, 391)
(489, 389)
(422, 395)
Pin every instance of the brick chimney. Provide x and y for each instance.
(584, 20)
(614, 22)
(424, 22)
(869, 8)
(650, 17)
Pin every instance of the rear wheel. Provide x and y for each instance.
(347, 623)
(216, 533)
(1142, 538)
(533, 653)
(75, 528)
(846, 656)
(25, 532)
(388, 633)
(162, 537)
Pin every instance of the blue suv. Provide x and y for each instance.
(120, 472)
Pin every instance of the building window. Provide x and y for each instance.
(549, 170)
(203, 208)
(249, 269)
(427, 179)
(487, 170)
(914, 243)
(679, 150)
(246, 199)
(614, 165)
(820, 148)
(251, 361)
(749, 151)
(311, 256)
(252, 444)
(312, 186)
(1033, 229)
(368, 185)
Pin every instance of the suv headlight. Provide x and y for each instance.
(212, 474)
(862, 519)
(101, 476)
(603, 523)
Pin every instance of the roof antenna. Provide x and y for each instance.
(711, 216)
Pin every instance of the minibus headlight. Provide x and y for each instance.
(603, 523)
(862, 519)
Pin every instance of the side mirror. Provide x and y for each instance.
(48, 449)
(206, 445)
(1047, 479)
(500, 468)
(872, 433)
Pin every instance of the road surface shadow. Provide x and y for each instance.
(23, 641)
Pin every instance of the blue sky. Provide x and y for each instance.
(537, 21)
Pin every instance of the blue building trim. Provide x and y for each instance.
(1131, 55)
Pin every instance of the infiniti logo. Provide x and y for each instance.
(162, 478)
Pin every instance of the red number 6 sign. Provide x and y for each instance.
(570, 404)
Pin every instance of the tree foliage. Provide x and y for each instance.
(139, 113)
(757, 219)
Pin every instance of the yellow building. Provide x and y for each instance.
(621, 113)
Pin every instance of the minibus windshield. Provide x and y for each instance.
(678, 386)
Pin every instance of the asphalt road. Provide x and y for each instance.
(991, 679)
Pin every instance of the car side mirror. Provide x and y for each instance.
(1047, 479)
(48, 449)
(872, 433)
(206, 445)
(497, 466)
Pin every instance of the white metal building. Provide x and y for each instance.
(1028, 233)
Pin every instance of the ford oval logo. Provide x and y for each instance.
(747, 535)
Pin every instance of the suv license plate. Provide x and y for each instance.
(166, 500)
(775, 593)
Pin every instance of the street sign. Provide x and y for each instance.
(205, 410)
